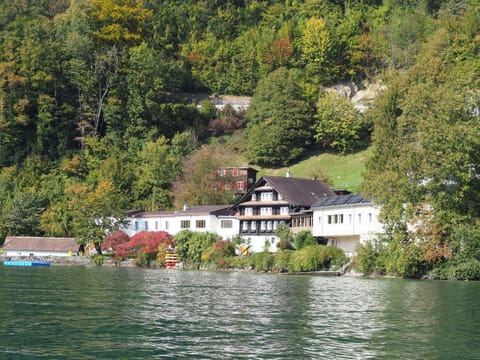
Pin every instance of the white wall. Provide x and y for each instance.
(349, 225)
(257, 242)
(27, 253)
(172, 224)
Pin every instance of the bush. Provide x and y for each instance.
(316, 257)
(465, 270)
(262, 261)
(367, 258)
(219, 253)
(98, 260)
(304, 238)
(283, 260)
(404, 259)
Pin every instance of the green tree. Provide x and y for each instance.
(22, 214)
(426, 144)
(316, 46)
(157, 168)
(95, 211)
(338, 125)
(285, 235)
(279, 121)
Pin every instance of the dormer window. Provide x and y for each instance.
(266, 196)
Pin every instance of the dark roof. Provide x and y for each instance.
(339, 200)
(298, 192)
(194, 210)
(40, 243)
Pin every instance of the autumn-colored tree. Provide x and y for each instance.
(94, 212)
(196, 186)
(120, 21)
(316, 45)
(227, 122)
(145, 245)
(115, 239)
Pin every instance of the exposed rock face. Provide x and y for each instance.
(361, 99)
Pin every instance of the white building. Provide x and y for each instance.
(346, 220)
(39, 246)
(215, 219)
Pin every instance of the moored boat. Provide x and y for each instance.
(26, 263)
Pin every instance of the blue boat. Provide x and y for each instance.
(26, 263)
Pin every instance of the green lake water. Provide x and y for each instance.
(78, 312)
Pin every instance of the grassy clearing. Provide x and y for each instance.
(339, 171)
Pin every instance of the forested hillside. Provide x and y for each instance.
(96, 114)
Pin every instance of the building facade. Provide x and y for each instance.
(238, 179)
(346, 221)
(27, 246)
(272, 201)
(216, 219)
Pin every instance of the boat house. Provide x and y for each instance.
(28, 246)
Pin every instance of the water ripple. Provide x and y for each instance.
(105, 313)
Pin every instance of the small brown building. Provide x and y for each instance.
(235, 178)
(40, 246)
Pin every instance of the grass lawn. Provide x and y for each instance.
(339, 171)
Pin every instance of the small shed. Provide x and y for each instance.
(40, 246)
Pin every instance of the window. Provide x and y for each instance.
(265, 211)
(279, 197)
(166, 225)
(226, 224)
(349, 218)
(254, 197)
(335, 219)
(269, 226)
(319, 219)
(266, 196)
(222, 172)
(248, 211)
(359, 218)
(253, 226)
(156, 225)
(369, 217)
(284, 210)
(263, 226)
(245, 226)
(240, 185)
(200, 224)
(185, 224)
(136, 225)
(146, 225)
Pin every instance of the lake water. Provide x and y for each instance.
(78, 312)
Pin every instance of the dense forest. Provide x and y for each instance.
(96, 114)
